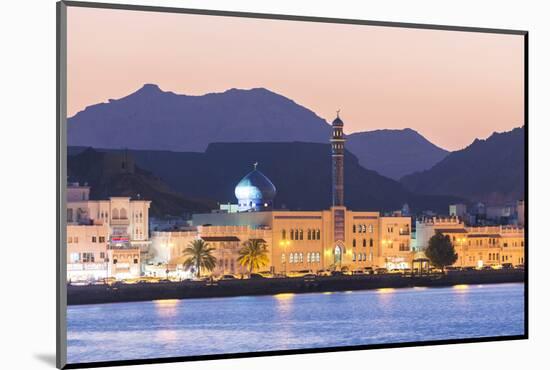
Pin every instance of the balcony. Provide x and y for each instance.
(120, 221)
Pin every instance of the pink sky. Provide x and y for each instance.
(450, 86)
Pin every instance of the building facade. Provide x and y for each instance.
(124, 225)
(477, 246)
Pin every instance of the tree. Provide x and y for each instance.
(199, 255)
(253, 255)
(441, 251)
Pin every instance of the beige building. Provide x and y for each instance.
(168, 248)
(296, 241)
(87, 256)
(478, 246)
(125, 225)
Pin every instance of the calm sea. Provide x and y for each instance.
(168, 328)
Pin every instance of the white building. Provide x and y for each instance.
(126, 222)
(457, 210)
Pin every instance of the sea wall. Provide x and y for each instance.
(92, 294)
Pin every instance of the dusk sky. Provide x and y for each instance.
(452, 87)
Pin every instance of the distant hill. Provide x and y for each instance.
(394, 153)
(153, 119)
(491, 170)
(107, 177)
(300, 171)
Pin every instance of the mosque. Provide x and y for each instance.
(330, 239)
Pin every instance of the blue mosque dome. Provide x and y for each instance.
(255, 192)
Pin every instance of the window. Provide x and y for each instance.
(353, 257)
(301, 257)
(74, 257)
(308, 234)
(364, 242)
(87, 257)
(284, 234)
(123, 214)
(115, 214)
(308, 258)
(291, 234)
(354, 229)
(102, 239)
(102, 255)
(301, 234)
(94, 239)
(371, 229)
(75, 239)
(291, 258)
(283, 258)
(135, 260)
(70, 239)
(318, 234)
(353, 243)
(371, 242)
(69, 215)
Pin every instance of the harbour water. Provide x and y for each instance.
(168, 328)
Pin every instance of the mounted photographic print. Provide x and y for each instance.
(238, 184)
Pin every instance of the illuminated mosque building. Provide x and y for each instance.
(336, 238)
(332, 239)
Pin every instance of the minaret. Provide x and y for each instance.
(337, 142)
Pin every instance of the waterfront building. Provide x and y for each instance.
(476, 246)
(426, 227)
(126, 221)
(87, 257)
(168, 247)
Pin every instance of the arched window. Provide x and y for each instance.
(371, 242)
(301, 234)
(353, 243)
(318, 234)
(123, 214)
(291, 234)
(283, 258)
(115, 214)
(291, 260)
(371, 229)
(364, 242)
(353, 258)
(284, 234)
(308, 234)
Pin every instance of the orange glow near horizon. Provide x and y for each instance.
(451, 87)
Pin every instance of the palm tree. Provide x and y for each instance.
(199, 255)
(253, 255)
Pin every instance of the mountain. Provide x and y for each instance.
(154, 119)
(300, 171)
(115, 174)
(394, 153)
(491, 171)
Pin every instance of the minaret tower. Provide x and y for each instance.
(337, 142)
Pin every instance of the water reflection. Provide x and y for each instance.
(166, 308)
(169, 328)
